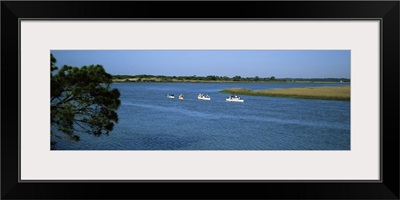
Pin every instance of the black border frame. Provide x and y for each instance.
(386, 11)
(222, 180)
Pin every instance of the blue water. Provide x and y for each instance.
(150, 121)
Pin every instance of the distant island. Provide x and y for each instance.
(218, 79)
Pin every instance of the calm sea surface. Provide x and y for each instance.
(150, 121)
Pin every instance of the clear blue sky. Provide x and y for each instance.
(245, 63)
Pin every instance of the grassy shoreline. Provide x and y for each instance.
(341, 93)
(156, 80)
(221, 79)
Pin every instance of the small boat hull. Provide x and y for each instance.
(203, 97)
(234, 100)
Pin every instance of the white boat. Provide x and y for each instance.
(203, 97)
(170, 96)
(181, 97)
(234, 98)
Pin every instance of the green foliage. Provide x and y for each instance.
(82, 100)
(53, 61)
(213, 78)
(236, 78)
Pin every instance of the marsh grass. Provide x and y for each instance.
(326, 93)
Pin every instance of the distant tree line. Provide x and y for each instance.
(149, 78)
(344, 80)
(213, 78)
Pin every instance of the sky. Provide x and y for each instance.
(244, 63)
